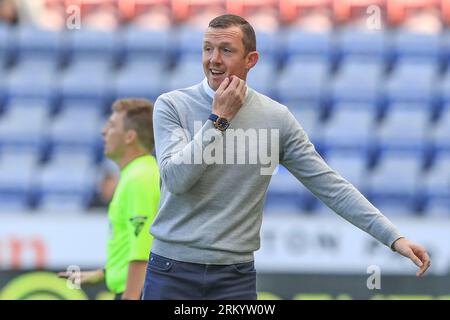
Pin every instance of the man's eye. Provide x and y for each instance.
(207, 49)
(226, 50)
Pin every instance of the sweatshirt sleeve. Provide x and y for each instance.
(179, 157)
(299, 156)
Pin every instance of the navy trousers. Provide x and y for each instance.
(168, 279)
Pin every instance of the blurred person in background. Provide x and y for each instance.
(208, 225)
(128, 137)
(33, 12)
(102, 17)
(53, 15)
(202, 17)
(424, 21)
(9, 12)
(107, 183)
(315, 20)
(156, 18)
(265, 20)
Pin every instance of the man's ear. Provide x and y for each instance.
(130, 136)
(252, 59)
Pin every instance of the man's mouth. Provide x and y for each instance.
(216, 72)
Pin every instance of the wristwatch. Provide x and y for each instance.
(219, 123)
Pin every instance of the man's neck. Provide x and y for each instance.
(129, 157)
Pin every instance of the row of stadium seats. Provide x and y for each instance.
(67, 182)
(28, 124)
(285, 10)
(131, 42)
(68, 179)
(349, 126)
(300, 81)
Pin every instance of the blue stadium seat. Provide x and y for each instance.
(267, 45)
(71, 156)
(17, 172)
(261, 77)
(62, 189)
(437, 179)
(412, 81)
(3, 87)
(145, 44)
(436, 186)
(362, 45)
(76, 126)
(302, 80)
(426, 46)
(351, 165)
(308, 115)
(88, 79)
(405, 127)
(439, 208)
(20, 156)
(2, 62)
(300, 43)
(350, 127)
(189, 43)
(86, 43)
(394, 184)
(441, 131)
(187, 73)
(24, 123)
(96, 107)
(33, 79)
(357, 81)
(140, 78)
(33, 42)
(444, 88)
(4, 43)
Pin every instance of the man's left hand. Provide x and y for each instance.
(415, 252)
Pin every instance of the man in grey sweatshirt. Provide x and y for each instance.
(217, 144)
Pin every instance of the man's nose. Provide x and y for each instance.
(215, 57)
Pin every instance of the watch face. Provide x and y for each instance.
(222, 123)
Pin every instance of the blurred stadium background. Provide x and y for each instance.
(369, 80)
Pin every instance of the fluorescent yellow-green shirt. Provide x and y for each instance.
(131, 212)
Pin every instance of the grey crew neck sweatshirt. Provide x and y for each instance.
(211, 211)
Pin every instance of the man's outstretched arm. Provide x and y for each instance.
(299, 156)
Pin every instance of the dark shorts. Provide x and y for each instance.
(168, 279)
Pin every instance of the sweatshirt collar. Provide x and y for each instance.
(210, 92)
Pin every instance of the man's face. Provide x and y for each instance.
(224, 55)
(114, 136)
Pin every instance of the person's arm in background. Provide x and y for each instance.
(173, 144)
(135, 280)
(86, 277)
(299, 156)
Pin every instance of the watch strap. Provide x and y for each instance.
(213, 117)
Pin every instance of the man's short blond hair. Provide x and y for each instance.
(138, 117)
